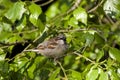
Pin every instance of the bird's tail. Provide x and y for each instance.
(31, 50)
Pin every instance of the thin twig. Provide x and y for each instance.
(21, 54)
(23, 32)
(27, 47)
(115, 25)
(80, 55)
(18, 55)
(94, 8)
(31, 44)
(84, 57)
(46, 3)
(77, 3)
(62, 70)
(109, 19)
(36, 0)
(75, 30)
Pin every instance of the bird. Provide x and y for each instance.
(53, 48)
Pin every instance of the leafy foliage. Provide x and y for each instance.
(92, 30)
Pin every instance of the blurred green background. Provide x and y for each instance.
(92, 28)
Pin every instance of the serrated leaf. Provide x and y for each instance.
(114, 54)
(92, 74)
(15, 12)
(80, 15)
(35, 11)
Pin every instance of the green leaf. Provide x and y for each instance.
(2, 55)
(78, 39)
(35, 11)
(114, 54)
(31, 71)
(15, 12)
(32, 35)
(113, 74)
(4, 6)
(53, 10)
(80, 15)
(112, 8)
(73, 22)
(40, 61)
(15, 38)
(21, 24)
(92, 74)
(5, 27)
(54, 74)
(99, 39)
(20, 63)
(103, 75)
(89, 38)
(100, 55)
(4, 36)
(4, 67)
(76, 75)
(40, 24)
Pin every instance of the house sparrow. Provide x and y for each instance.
(53, 48)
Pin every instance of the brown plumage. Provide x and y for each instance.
(54, 48)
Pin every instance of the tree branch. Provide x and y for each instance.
(77, 3)
(95, 8)
(46, 3)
